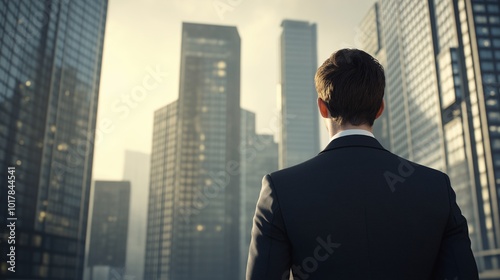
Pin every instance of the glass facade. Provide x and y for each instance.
(50, 61)
(412, 92)
(109, 225)
(478, 27)
(369, 36)
(299, 136)
(194, 209)
(259, 156)
(442, 71)
(161, 196)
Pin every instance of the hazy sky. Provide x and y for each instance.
(141, 61)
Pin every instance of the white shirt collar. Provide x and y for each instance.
(348, 132)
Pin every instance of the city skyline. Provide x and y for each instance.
(134, 52)
(192, 112)
(424, 152)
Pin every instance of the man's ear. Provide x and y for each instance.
(380, 110)
(323, 109)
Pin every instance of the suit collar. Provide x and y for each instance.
(353, 141)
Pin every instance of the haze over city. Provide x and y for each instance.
(238, 139)
(146, 35)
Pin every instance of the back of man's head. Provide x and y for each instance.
(351, 83)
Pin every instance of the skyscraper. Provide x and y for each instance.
(193, 216)
(158, 259)
(443, 63)
(136, 170)
(109, 226)
(50, 63)
(259, 156)
(369, 36)
(299, 136)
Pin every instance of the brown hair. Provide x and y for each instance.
(352, 83)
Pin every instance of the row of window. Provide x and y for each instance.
(481, 19)
(485, 8)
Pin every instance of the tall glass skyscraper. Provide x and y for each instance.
(299, 136)
(442, 69)
(50, 63)
(193, 220)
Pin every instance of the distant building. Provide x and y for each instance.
(443, 72)
(369, 36)
(136, 170)
(109, 225)
(299, 136)
(50, 69)
(194, 198)
(259, 156)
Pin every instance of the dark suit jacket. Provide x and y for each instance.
(357, 211)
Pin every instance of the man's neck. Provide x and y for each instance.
(335, 128)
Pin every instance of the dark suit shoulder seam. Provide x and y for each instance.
(449, 188)
(447, 185)
(271, 185)
(278, 202)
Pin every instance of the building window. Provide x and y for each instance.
(492, 103)
(489, 78)
(482, 31)
(479, 8)
(494, 19)
(481, 19)
(494, 116)
(484, 43)
(485, 54)
(493, 8)
(487, 66)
